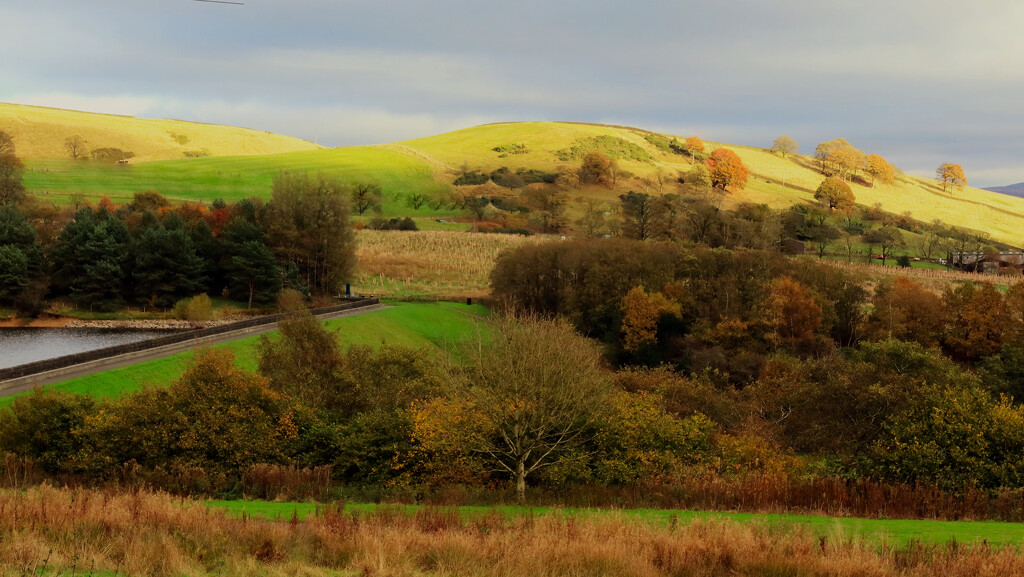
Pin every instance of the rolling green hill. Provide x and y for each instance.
(39, 133)
(428, 165)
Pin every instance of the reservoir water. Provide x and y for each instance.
(25, 345)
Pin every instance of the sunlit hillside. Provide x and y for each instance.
(40, 133)
(428, 165)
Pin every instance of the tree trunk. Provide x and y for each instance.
(252, 289)
(521, 483)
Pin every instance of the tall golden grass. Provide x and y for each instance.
(436, 263)
(46, 530)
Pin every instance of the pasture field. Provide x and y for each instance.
(39, 133)
(237, 177)
(897, 532)
(427, 165)
(436, 263)
(434, 326)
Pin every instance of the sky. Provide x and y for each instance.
(920, 82)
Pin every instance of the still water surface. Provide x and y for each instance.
(25, 345)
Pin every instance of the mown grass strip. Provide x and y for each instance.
(897, 532)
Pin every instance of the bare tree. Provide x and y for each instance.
(785, 145)
(75, 145)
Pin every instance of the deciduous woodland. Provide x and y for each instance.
(616, 364)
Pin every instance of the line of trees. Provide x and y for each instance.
(149, 253)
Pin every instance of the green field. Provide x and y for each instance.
(875, 531)
(434, 326)
(427, 165)
(236, 177)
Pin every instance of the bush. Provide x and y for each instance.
(195, 309)
(513, 148)
(472, 178)
(197, 153)
(111, 154)
(290, 301)
(406, 224)
(611, 146)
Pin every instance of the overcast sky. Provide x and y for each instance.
(920, 82)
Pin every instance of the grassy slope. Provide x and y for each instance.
(237, 177)
(433, 326)
(421, 165)
(39, 133)
(876, 531)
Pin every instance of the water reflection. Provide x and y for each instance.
(25, 345)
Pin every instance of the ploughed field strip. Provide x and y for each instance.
(895, 532)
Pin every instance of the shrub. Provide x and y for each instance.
(290, 301)
(197, 153)
(47, 428)
(512, 148)
(111, 154)
(198, 308)
(472, 178)
(611, 146)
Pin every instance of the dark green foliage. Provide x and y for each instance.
(366, 196)
(253, 274)
(511, 148)
(91, 260)
(611, 146)
(12, 191)
(637, 215)
(167, 267)
(506, 178)
(13, 272)
(406, 224)
(472, 178)
(659, 141)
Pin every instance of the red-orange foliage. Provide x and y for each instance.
(641, 314)
(791, 311)
(978, 321)
(908, 312)
(726, 169)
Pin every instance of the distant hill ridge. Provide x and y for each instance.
(1012, 190)
(426, 165)
(40, 132)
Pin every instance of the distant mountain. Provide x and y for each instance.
(1012, 190)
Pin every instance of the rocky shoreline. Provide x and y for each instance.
(150, 324)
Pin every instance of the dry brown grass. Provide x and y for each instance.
(154, 534)
(434, 263)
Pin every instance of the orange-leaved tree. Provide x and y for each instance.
(951, 175)
(835, 193)
(791, 311)
(726, 169)
(693, 145)
(641, 312)
(879, 169)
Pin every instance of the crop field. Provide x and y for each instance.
(39, 133)
(898, 532)
(435, 326)
(436, 263)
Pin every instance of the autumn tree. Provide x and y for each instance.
(304, 362)
(791, 312)
(951, 176)
(693, 146)
(904, 310)
(75, 145)
(595, 168)
(592, 223)
(977, 321)
(698, 177)
(835, 194)
(526, 400)
(838, 158)
(548, 206)
(879, 169)
(785, 145)
(726, 169)
(307, 225)
(641, 312)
